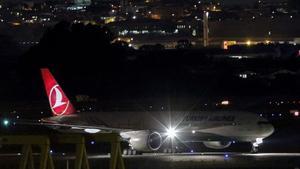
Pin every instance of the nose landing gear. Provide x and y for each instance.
(255, 145)
(254, 148)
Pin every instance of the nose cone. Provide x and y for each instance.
(268, 130)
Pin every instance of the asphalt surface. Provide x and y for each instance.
(176, 161)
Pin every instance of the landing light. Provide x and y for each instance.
(259, 140)
(171, 132)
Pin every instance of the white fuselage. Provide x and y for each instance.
(194, 126)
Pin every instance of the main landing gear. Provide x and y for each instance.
(255, 145)
(129, 152)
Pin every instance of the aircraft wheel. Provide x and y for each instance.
(254, 149)
(125, 151)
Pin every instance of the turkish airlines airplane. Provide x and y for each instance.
(147, 131)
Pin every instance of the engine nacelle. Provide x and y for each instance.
(217, 144)
(144, 140)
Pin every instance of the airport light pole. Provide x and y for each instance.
(205, 29)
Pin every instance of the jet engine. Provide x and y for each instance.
(144, 140)
(217, 144)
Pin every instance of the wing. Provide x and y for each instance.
(70, 127)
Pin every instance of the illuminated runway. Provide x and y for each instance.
(204, 154)
(206, 160)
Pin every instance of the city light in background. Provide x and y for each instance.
(143, 18)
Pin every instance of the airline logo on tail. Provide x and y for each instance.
(57, 98)
(59, 102)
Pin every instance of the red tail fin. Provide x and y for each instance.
(59, 102)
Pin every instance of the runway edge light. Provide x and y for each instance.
(5, 122)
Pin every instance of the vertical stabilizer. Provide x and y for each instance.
(59, 102)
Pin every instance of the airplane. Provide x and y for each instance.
(147, 131)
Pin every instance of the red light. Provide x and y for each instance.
(296, 113)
